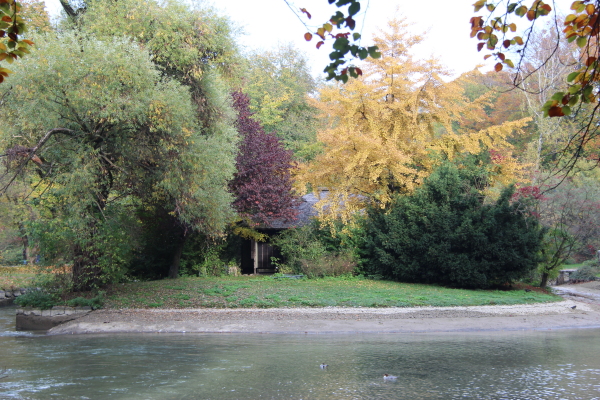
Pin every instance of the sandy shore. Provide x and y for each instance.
(561, 315)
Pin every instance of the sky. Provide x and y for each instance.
(267, 23)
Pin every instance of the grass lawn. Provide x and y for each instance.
(17, 277)
(265, 292)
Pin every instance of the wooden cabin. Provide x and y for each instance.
(256, 257)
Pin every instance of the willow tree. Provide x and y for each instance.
(388, 127)
(195, 47)
(107, 133)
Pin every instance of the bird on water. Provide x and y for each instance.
(387, 377)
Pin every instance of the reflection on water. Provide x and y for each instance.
(507, 365)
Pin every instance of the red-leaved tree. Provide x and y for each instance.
(262, 184)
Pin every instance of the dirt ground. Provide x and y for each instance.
(580, 309)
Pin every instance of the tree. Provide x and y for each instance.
(262, 184)
(571, 214)
(446, 233)
(196, 48)
(497, 33)
(279, 84)
(126, 136)
(388, 129)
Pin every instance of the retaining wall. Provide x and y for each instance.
(32, 319)
(8, 296)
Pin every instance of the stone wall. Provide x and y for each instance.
(35, 319)
(7, 296)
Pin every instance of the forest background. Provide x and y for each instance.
(140, 142)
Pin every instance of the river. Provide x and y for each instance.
(561, 364)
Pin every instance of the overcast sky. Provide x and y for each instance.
(269, 22)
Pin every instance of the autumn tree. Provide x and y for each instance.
(262, 184)
(387, 128)
(279, 83)
(504, 38)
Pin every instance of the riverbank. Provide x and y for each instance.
(575, 312)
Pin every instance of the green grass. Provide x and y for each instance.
(266, 292)
(17, 277)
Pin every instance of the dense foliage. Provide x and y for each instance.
(446, 233)
(262, 184)
(384, 127)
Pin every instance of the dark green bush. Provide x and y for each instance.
(446, 234)
(585, 273)
(94, 302)
(36, 299)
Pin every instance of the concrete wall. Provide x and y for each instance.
(32, 319)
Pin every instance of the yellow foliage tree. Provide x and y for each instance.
(387, 129)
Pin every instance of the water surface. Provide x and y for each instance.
(505, 365)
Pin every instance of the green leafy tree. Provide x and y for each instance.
(279, 84)
(196, 48)
(446, 233)
(126, 137)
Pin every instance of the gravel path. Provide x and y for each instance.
(574, 312)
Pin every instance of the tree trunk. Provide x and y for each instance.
(544, 281)
(175, 262)
(86, 273)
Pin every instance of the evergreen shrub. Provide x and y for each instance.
(445, 233)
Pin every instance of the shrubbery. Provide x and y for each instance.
(445, 233)
(313, 252)
(36, 299)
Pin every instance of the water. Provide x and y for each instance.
(513, 365)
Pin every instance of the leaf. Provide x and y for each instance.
(574, 100)
(521, 11)
(480, 46)
(531, 15)
(498, 67)
(570, 18)
(487, 56)
(359, 71)
(356, 36)
(511, 7)
(328, 27)
(6, 18)
(519, 40)
(590, 61)
(566, 110)
(354, 8)
(506, 43)
(558, 96)
(555, 111)
(509, 63)
(589, 9)
(306, 12)
(319, 44)
(479, 5)
(581, 41)
(350, 23)
(308, 36)
(571, 77)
